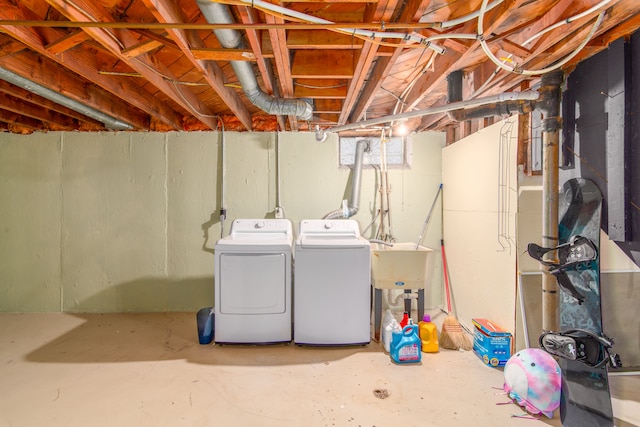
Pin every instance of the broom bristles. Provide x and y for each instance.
(453, 337)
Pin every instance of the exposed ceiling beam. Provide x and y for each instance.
(134, 94)
(20, 120)
(282, 61)
(545, 51)
(168, 11)
(11, 103)
(67, 42)
(154, 63)
(322, 39)
(248, 16)
(452, 61)
(413, 10)
(9, 46)
(152, 70)
(383, 12)
(622, 20)
(87, 123)
(55, 77)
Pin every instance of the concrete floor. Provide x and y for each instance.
(149, 370)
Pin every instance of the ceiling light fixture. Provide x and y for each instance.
(401, 128)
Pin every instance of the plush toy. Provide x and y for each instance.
(532, 379)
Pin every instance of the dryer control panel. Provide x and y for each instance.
(250, 229)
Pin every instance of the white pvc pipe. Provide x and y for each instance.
(417, 38)
(566, 21)
(508, 96)
(540, 34)
(396, 302)
(556, 66)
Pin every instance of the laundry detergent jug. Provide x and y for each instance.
(405, 345)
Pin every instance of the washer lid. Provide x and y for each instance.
(330, 233)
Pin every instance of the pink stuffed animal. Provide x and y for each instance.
(532, 378)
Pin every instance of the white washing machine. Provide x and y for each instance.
(332, 284)
(253, 282)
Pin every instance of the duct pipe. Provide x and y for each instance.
(217, 13)
(17, 80)
(552, 124)
(351, 209)
(505, 108)
(526, 95)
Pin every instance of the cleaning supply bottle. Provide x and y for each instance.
(428, 335)
(386, 320)
(386, 328)
(405, 345)
(405, 320)
(387, 333)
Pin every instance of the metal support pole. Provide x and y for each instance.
(552, 124)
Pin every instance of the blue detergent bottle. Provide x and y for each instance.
(405, 345)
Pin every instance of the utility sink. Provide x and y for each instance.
(400, 266)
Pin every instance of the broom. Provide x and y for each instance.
(452, 337)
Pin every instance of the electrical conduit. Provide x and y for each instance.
(500, 64)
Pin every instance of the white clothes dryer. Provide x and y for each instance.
(332, 284)
(253, 274)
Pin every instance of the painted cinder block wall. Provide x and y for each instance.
(127, 222)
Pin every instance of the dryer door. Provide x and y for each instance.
(252, 283)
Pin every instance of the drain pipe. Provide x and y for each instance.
(549, 105)
(503, 108)
(217, 13)
(506, 108)
(321, 134)
(351, 209)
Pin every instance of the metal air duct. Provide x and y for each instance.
(217, 13)
(349, 210)
(17, 80)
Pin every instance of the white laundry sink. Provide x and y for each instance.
(400, 266)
